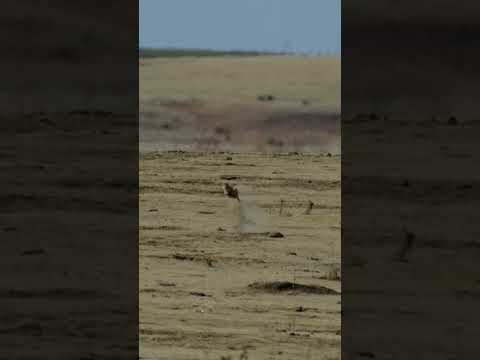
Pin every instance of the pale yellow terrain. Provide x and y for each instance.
(200, 251)
(202, 124)
(238, 80)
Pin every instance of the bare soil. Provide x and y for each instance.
(213, 283)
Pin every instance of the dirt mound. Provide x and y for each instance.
(274, 234)
(283, 286)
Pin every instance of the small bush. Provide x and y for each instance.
(219, 130)
(166, 126)
(452, 121)
(333, 273)
(274, 142)
(265, 98)
(222, 131)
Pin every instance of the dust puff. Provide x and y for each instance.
(247, 216)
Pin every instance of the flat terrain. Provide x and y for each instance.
(212, 103)
(214, 282)
(234, 80)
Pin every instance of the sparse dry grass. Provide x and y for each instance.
(233, 80)
(212, 103)
(208, 303)
(209, 249)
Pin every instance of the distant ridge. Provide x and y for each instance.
(174, 52)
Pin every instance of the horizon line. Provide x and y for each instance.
(233, 50)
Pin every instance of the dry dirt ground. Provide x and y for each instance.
(214, 281)
(212, 104)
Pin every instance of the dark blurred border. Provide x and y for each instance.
(69, 200)
(409, 179)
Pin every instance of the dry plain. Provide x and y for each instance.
(212, 104)
(216, 282)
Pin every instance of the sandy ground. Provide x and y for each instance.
(200, 251)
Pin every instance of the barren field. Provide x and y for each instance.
(248, 279)
(214, 103)
(238, 80)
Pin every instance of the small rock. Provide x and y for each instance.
(220, 229)
(228, 177)
(47, 121)
(34, 252)
(265, 98)
(275, 234)
(300, 309)
(367, 354)
(452, 120)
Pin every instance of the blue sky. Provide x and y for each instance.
(278, 25)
